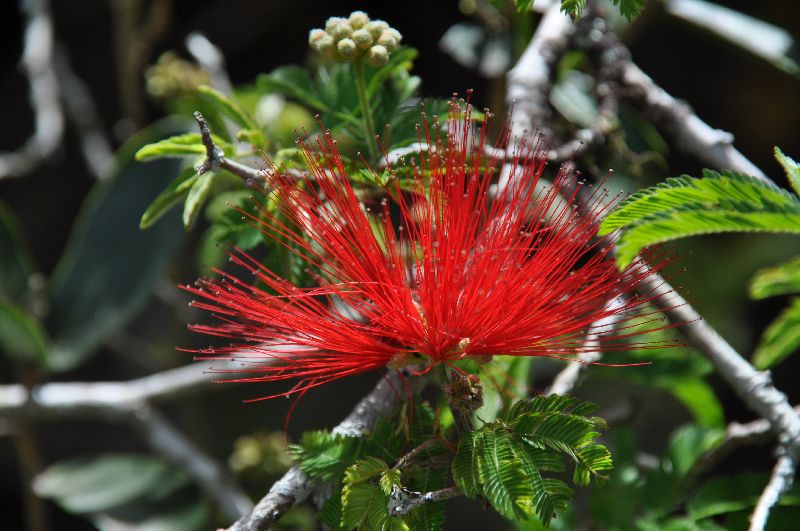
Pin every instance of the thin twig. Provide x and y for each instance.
(295, 486)
(37, 64)
(405, 460)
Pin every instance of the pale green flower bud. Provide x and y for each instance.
(362, 38)
(358, 19)
(376, 27)
(346, 48)
(315, 35)
(332, 22)
(390, 39)
(341, 30)
(325, 45)
(378, 55)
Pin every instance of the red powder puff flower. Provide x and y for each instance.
(457, 267)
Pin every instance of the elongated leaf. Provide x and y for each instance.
(22, 338)
(685, 206)
(16, 260)
(733, 493)
(465, 466)
(364, 470)
(109, 266)
(780, 339)
(196, 198)
(294, 82)
(629, 8)
(89, 485)
(778, 280)
(228, 107)
(791, 167)
(699, 398)
(365, 506)
(504, 484)
(168, 198)
(397, 59)
(181, 146)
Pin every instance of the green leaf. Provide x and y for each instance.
(780, 339)
(22, 338)
(688, 444)
(320, 454)
(16, 260)
(503, 482)
(181, 146)
(168, 198)
(364, 470)
(108, 269)
(791, 167)
(398, 58)
(294, 82)
(94, 484)
(573, 97)
(629, 8)
(184, 514)
(777, 280)
(331, 511)
(731, 494)
(685, 206)
(228, 107)
(699, 398)
(465, 466)
(573, 8)
(365, 506)
(196, 198)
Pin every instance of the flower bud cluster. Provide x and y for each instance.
(172, 76)
(347, 39)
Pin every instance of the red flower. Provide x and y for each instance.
(461, 270)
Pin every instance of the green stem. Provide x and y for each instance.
(366, 110)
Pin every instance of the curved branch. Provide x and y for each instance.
(780, 481)
(37, 64)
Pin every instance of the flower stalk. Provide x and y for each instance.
(366, 109)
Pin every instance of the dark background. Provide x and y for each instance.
(729, 89)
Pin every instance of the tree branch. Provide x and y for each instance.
(37, 64)
(295, 486)
(403, 501)
(130, 401)
(780, 481)
(530, 80)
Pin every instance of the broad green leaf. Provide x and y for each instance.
(780, 339)
(688, 444)
(685, 206)
(777, 280)
(185, 515)
(94, 484)
(169, 197)
(196, 198)
(22, 338)
(733, 493)
(16, 260)
(791, 167)
(108, 269)
(573, 97)
(181, 146)
(228, 107)
(699, 398)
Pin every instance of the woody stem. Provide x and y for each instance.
(366, 110)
